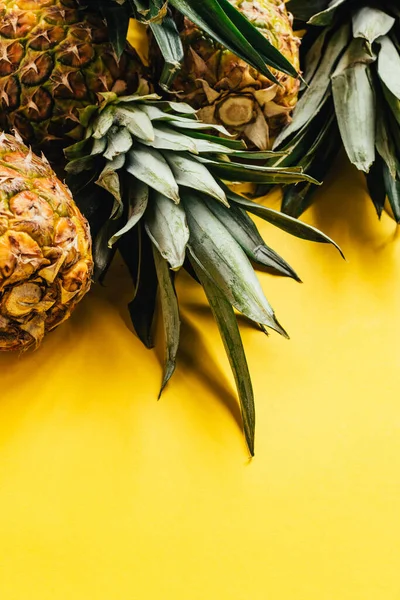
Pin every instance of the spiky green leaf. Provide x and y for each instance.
(231, 338)
(167, 228)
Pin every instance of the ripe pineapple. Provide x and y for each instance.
(229, 91)
(45, 248)
(164, 202)
(54, 60)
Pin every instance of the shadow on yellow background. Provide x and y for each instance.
(107, 494)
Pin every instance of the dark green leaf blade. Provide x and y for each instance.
(207, 15)
(169, 42)
(392, 187)
(271, 55)
(117, 17)
(245, 232)
(376, 185)
(171, 319)
(284, 222)
(230, 334)
(135, 249)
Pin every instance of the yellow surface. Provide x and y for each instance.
(107, 494)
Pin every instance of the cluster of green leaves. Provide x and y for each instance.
(217, 18)
(171, 208)
(352, 98)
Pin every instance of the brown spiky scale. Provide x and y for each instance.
(228, 91)
(45, 248)
(56, 59)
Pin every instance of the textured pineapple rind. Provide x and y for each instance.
(45, 248)
(55, 59)
(228, 91)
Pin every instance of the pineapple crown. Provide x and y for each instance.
(352, 68)
(166, 174)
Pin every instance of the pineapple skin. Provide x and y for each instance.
(45, 248)
(54, 60)
(228, 91)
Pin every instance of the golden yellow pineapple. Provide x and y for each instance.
(230, 92)
(45, 248)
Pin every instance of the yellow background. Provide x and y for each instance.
(107, 494)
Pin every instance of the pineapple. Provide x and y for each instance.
(54, 61)
(227, 90)
(45, 248)
(150, 177)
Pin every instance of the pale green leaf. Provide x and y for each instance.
(149, 165)
(231, 338)
(189, 172)
(119, 141)
(170, 312)
(217, 252)
(370, 23)
(136, 121)
(315, 96)
(138, 194)
(167, 228)
(355, 105)
(389, 65)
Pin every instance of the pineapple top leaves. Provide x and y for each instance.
(352, 69)
(218, 18)
(166, 171)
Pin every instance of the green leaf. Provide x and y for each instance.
(102, 253)
(234, 172)
(189, 172)
(284, 222)
(326, 16)
(138, 195)
(305, 9)
(393, 102)
(370, 23)
(117, 17)
(209, 16)
(243, 229)
(256, 154)
(224, 261)
(156, 112)
(166, 138)
(77, 150)
(316, 95)
(314, 55)
(77, 165)
(392, 187)
(270, 54)
(231, 338)
(119, 141)
(389, 65)
(198, 126)
(136, 251)
(385, 145)
(103, 122)
(170, 312)
(229, 143)
(181, 107)
(376, 185)
(109, 180)
(355, 105)
(169, 42)
(150, 166)
(165, 223)
(136, 121)
(297, 198)
(99, 146)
